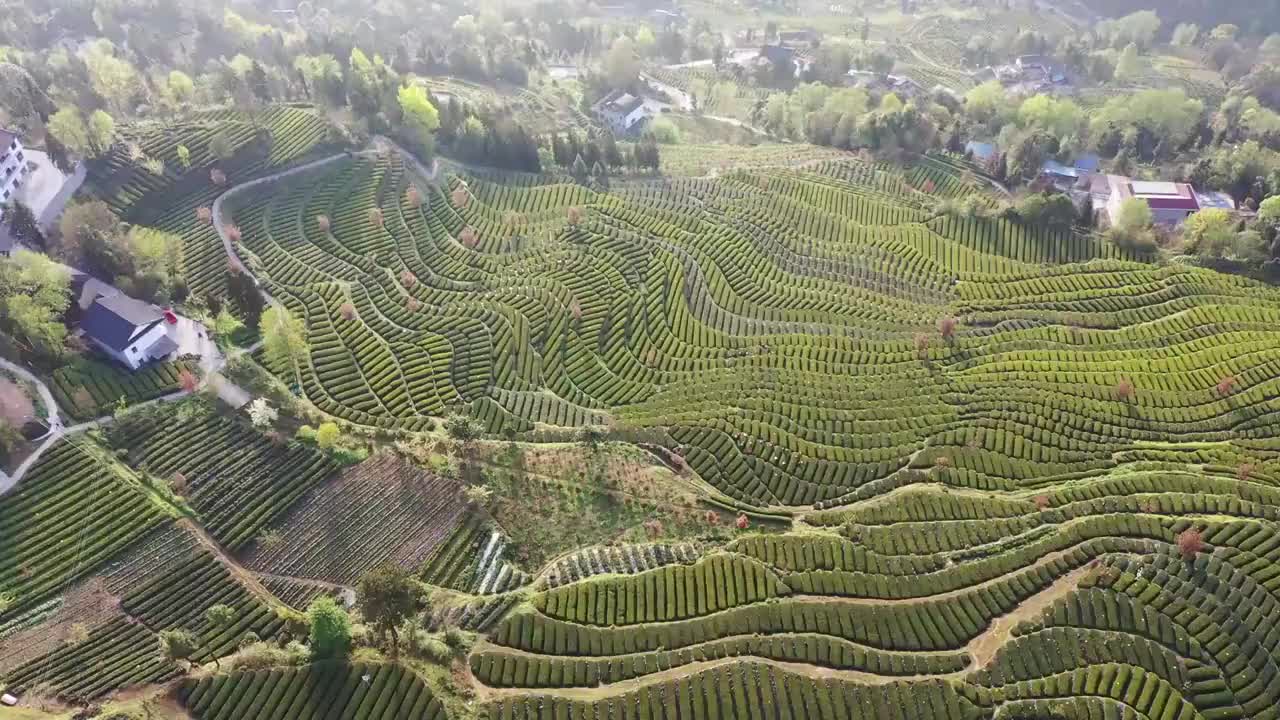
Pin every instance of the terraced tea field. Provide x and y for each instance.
(938, 467)
(1024, 473)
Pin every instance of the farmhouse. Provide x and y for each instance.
(130, 331)
(13, 166)
(622, 111)
(1170, 202)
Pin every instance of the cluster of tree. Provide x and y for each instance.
(34, 297)
(845, 119)
(599, 154)
(487, 136)
(141, 261)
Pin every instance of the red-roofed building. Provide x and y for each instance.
(1170, 202)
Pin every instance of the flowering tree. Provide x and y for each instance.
(204, 214)
(188, 381)
(322, 222)
(1190, 543)
(742, 523)
(261, 414)
(947, 327)
(413, 196)
(460, 197)
(347, 311)
(375, 217)
(1125, 389)
(1226, 385)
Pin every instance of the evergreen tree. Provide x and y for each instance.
(22, 224)
(612, 157)
(257, 80)
(593, 154)
(244, 294)
(579, 169)
(557, 150)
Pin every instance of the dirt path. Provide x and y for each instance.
(238, 571)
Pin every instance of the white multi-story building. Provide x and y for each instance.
(13, 167)
(622, 112)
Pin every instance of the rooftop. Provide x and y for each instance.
(7, 137)
(620, 101)
(1161, 195)
(116, 320)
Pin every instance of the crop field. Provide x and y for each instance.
(89, 389)
(381, 510)
(1019, 473)
(262, 142)
(72, 512)
(237, 479)
(360, 690)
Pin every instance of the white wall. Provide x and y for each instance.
(13, 171)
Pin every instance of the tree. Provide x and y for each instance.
(1210, 232)
(1226, 385)
(327, 434)
(220, 145)
(947, 327)
(1269, 210)
(665, 131)
(985, 102)
(330, 629)
(463, 429)
(112, 78)
(244, 294)
(188, 381)
(622, 65)
(1047, 210)
(284, 339)
(34, 294)
(184, 157)
(1060, 117)
(178, 645)
(387, 597)
(67, 125)
(1190, 544)
(421, 119)
(261, 414)
(1224, 33)
(1185, 34)
(181, 87)
(22, 224)
(1128, 67)
(220, 617)
(1125, 390)
(1132, 225)
(154, 252)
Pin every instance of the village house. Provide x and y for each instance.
(13, 167)
(1170, 202)
(622, 112)
(130, 331)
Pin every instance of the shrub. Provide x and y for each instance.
(204, 214)
(330, 629)
(327, 435)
